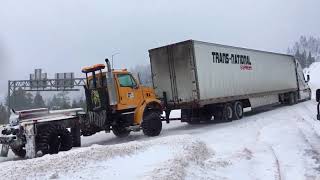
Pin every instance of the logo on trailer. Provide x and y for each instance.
(226, 58)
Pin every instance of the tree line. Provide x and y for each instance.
(306, 50)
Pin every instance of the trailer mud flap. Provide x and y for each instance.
(4, 150)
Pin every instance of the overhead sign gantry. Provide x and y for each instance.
(40, 82)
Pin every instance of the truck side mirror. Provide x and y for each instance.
(318, 95)
(308, 78)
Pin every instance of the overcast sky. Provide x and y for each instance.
(65, 35)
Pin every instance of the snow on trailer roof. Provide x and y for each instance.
(221, 45)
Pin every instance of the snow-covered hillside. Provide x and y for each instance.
(280, 143)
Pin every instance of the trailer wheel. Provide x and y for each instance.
(224, 113)
(52, 139)
(120, 131)
(237, 110)
(21, 152)
(151, 124)
(76, 136)
(292, 98)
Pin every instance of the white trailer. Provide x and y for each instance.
(208, 80)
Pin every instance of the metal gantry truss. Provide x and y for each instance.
(43, 85)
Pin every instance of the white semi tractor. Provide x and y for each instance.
(216, 82)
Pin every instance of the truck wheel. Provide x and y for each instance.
(21, 152)
(295, 98)
(291, 99)
(237, 110)
(52, 139)
(224, 113)
(151, 124)
(120, 131)
(76, 136)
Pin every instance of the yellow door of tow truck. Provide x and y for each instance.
(130, 95)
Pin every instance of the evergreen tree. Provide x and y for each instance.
(75, 104)
(4, 114)
(60, 101)
(64, 99)
(38, 101)
(82, 104)
(310, 59)
(79, 104)
(311, 50)
(304, 59)
(20, 100)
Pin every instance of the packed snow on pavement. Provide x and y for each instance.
(278, 143)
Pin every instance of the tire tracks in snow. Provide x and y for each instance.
(311, 137)
(278, 174)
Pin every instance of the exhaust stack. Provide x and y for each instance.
(108, 65)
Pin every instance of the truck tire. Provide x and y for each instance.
(120, 131)
(52, 139)
(295, 98)
(224, 113)
(190, 116)
(76, 136)
(237, 110)
(21, 152)
(151, 124)
(291, 98)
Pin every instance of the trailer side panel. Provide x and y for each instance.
(225, 71)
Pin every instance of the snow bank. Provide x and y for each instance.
(159, 158)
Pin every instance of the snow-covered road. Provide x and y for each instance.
(281, 143)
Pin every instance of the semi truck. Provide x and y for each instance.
(210, 81)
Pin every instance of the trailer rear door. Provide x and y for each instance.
(173, 72)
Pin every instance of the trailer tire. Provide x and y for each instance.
(21, 152)
(151, 124)
(120, 131)
(52, 139)
(237, 110)
(291, 98)
(76, 136)
(224, 113)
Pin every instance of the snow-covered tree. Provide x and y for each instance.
(310, 48)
